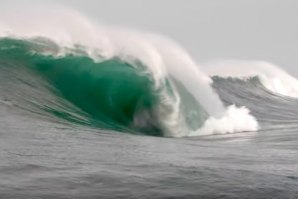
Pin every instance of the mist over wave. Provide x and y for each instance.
(173, 95)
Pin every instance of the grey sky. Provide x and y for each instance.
(210, 29)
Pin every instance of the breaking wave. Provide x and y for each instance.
(114, 78)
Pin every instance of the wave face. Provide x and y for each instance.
(110, 78)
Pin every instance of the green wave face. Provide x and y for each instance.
(111, 92)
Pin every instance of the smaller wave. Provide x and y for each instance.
(272, 110)
(271, 76)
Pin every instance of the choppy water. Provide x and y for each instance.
(42, 159)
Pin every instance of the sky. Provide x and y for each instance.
(210, 30)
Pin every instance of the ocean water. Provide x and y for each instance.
(125, 114)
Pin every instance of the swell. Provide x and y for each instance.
(118, 95)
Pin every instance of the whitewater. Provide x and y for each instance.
(92, 110)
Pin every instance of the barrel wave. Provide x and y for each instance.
(111, 78)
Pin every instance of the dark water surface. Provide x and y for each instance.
(48, 160)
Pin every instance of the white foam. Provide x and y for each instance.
(161, 55)
(240, 117)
